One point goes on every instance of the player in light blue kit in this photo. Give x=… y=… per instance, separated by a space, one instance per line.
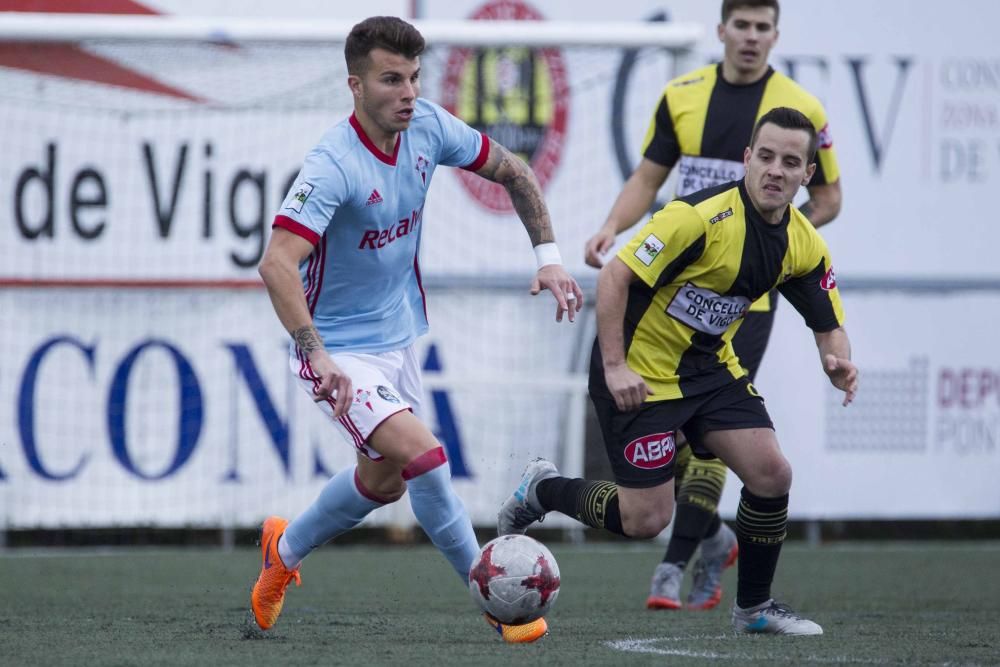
x=342 y=272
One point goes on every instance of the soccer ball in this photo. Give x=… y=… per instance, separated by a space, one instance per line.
x=515 y=579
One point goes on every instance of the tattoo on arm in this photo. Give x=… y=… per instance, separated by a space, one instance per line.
x=307 y=338
x=525 y=194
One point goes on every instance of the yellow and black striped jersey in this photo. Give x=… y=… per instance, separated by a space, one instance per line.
x=702 y=123
x=701 y=261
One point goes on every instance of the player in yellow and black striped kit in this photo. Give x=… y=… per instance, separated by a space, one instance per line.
x=699 y=129
x=668 y=306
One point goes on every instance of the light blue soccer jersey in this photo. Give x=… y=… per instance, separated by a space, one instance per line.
x=363 y=210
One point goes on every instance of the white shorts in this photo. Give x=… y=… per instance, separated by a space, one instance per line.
x=384 y=383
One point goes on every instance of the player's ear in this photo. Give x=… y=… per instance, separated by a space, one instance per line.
x=720 y=30
x=810 y=170
x=354 y=83
x=746 y=158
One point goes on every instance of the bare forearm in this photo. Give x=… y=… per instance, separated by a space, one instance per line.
x=526 y=196
x=612 y=297
x=834 y=342
x=823 y=205
x=516 y=177
x=633 y=202
x=835 y=360
x=284 y=287
x=637 y=196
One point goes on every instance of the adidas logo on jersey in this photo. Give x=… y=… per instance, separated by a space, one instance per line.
x=375 y=198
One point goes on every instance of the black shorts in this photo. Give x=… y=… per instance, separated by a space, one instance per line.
x=641 y=443
x=751 y=338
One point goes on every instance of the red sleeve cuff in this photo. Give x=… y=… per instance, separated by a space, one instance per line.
x=296 y=228
x=484 y=152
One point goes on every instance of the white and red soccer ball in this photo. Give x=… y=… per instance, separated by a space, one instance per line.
x=515 y=579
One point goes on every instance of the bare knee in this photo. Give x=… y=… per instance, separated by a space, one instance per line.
x=644 y=525
x=772 y=479
x=391 y=490
x=380 y=481
x=402 y=438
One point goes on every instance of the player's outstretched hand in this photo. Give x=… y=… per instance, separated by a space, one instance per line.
x=598 y=246
x=333 y=382
x=626 y=386
x=843 y=375
x=569 y=297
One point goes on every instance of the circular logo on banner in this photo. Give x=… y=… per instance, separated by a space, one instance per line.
x=515 y=95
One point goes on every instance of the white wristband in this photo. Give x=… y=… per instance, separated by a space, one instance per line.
x=547 y=253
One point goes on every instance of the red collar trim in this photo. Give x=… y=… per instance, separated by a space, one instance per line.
x=370 y=145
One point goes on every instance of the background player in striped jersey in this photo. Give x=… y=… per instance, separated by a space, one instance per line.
x=342 y=271
x=700 y=127
x=667 y=306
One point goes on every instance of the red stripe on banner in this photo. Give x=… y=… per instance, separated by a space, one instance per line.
x=425 y=462
x=484 y=152
x=370 y=145
x=71 y=62
x=296 y=228
x=420 y=284
x=367 y=493
x=77 y=7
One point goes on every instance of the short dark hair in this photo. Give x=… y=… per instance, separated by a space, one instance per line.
x=381 y=32
x=729 y=6
x=789 y=119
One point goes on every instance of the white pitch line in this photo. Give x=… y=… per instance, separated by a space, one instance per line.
x=650 y=646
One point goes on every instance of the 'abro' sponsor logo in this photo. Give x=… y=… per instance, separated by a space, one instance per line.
x=651 y=451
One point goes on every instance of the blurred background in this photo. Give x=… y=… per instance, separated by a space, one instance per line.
x=144 y=390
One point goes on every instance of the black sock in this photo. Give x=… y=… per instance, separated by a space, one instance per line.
x=689 y=526
x=713 y=527
x=698 y=493
x=592 y=503
x=760 y=529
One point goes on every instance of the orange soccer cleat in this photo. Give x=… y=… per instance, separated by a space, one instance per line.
x=269 y=590
x=519 y=634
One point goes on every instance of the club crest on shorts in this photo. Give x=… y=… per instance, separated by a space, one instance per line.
x=363 y=397
x=387 y=394
x=651 y=451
